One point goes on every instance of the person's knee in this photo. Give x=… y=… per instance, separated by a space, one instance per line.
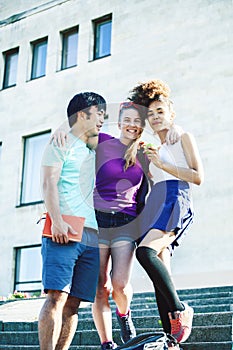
x=120 y=286
x=139 y=253
x=57 y=296
x=103 y=292
x=72 y=305
x=54 y=303
x=143 y=254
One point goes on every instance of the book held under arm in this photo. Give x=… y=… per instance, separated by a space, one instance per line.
x=76 y=222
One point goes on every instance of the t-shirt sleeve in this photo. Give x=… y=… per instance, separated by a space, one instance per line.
x=104 y=137
x=53 y=156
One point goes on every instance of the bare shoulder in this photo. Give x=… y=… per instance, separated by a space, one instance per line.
x=189 y=143
x=187 y=137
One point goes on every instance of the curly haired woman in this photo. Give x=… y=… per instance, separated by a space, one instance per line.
x=168 y=211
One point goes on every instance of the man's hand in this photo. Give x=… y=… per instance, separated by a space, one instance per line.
x=60 y=232
x=59 y=138
x=174 y=134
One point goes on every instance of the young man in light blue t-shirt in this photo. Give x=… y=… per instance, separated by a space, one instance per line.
x=70 y=269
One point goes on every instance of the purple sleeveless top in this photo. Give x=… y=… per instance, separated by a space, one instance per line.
x=116 y=189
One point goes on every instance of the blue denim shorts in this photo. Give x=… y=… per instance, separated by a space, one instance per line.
x=73 y=267
x=115 y=227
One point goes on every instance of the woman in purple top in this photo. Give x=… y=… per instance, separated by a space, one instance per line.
x=119 y=176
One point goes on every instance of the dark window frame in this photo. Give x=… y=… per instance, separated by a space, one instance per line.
x=17 y=252
x=64 y=35
x=96 y=24
x=34 y=46
x=6 y=55
x=21 y=203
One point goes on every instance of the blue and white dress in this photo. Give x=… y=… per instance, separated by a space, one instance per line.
x=169 y=205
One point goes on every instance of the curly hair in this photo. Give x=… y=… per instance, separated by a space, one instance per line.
x=144 y=93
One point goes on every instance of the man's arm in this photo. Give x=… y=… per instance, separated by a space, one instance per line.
x=59 y=137
x=174 y=134
x=60 y=228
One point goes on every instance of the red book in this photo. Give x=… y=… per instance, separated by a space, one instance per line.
x=77 y=223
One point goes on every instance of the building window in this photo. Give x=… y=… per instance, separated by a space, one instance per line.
x=0 y=149
x=34 y=146
x=28 y=267
x=10 y=71
x=39 y=55
x=102 y=36
x=69 y=48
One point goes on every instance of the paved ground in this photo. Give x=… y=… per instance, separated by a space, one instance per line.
x=22 y=310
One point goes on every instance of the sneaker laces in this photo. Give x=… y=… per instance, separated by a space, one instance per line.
x=127 y=322
x=176 y=324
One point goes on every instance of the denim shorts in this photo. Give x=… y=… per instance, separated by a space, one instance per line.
x=115 y=227
x=73 y=267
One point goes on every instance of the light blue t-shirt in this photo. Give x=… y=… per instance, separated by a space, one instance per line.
x=77 y=178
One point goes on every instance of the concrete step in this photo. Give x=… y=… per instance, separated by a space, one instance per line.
x=206 y=290
x=151 y=310
x=197 y=299
x=208 y=319
x=192 y=301
x=216 y=333
x=201 y=291
x=184 y=294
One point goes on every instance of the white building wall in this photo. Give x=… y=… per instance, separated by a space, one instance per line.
x=186 y=43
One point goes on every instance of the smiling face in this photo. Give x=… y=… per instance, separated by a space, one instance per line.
x=160 y=116
x=130 y=125
x=94 y=120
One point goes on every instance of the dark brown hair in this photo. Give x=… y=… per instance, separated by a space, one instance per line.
x=145 y=93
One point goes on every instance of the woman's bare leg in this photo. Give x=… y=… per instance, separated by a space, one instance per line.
x=101 y=309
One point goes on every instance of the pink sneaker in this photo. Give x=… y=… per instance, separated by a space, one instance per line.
x=181 y=323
